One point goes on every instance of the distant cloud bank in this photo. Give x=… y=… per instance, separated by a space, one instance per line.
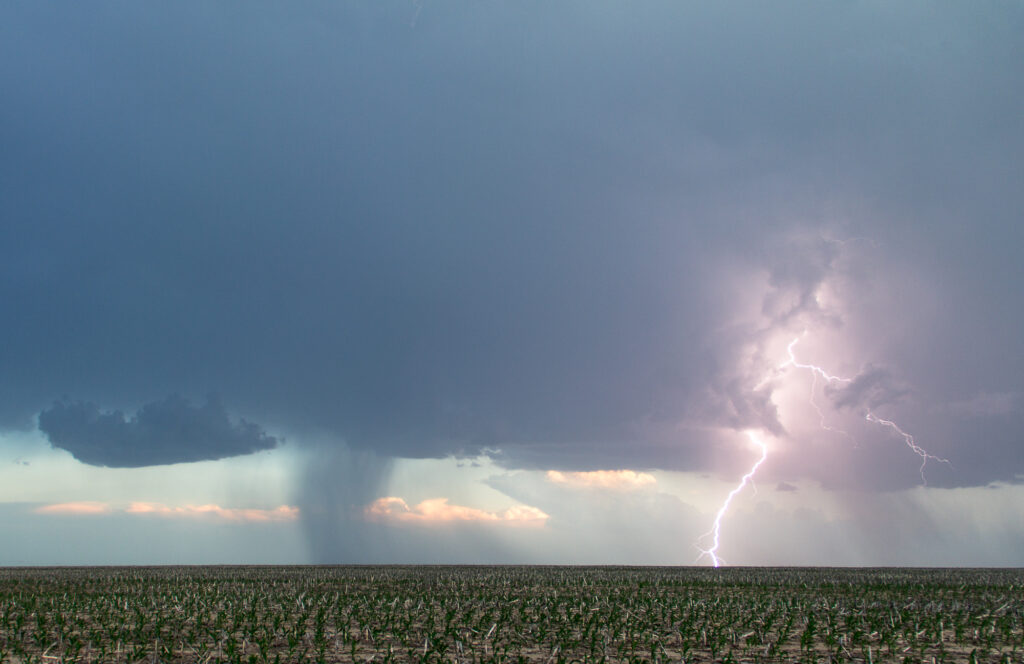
x=438 y=510
x=620 y=480
x=210 y=511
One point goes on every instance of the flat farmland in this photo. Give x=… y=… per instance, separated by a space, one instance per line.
x=509 y=614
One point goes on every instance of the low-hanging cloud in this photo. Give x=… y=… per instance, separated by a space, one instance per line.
x=161 y=432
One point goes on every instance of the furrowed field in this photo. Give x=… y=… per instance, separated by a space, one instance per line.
x=509 y=614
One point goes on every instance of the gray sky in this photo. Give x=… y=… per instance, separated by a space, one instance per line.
x=532 y=236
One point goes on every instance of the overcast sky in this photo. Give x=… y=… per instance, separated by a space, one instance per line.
x=423 y=281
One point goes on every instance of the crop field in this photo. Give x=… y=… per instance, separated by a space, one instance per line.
x=509 y=614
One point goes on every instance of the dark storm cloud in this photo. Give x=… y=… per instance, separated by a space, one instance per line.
x=521 y=226
x=162 y=432
x=871 y=388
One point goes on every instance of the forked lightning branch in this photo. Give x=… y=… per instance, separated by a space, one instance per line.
x=714 y=535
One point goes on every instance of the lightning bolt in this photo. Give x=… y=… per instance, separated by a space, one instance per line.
x=925 y=456
x=716 y=529
x=818 y=372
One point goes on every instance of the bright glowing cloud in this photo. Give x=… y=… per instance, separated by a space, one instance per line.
x=438 y=510
x=619 y=480
x=80 y=507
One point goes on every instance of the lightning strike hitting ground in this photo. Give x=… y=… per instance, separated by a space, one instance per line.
x=816 y=373
x=716 y=529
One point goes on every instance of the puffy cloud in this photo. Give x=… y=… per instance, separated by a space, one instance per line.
x=438 y=510
x=162 y=432
x=621 y=480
